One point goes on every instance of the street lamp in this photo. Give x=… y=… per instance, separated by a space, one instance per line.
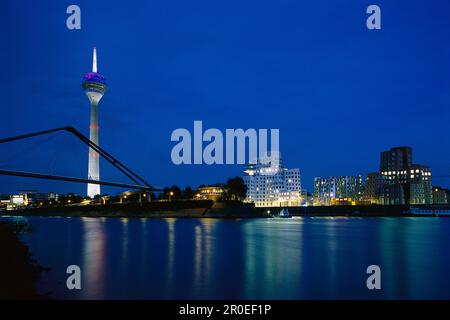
x=170 y=195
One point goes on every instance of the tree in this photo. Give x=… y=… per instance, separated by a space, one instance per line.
x=188 y=193
x=173 y=192
x=69 y=198
x=164 y=194
x=237 y=190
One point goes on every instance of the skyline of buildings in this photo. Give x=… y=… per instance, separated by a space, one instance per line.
x=26 y=197
x=271 y=184
x=399 y=182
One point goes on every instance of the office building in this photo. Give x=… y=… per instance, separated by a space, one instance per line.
x=215 y=193
x=373 y=187
x=441 y=195
x=270 y=184
x=403 y=181
x=333 y=190
x=396 y=159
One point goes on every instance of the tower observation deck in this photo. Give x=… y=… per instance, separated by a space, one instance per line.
x=94 y=85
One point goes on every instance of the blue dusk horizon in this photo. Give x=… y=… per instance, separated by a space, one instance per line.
x=339 y=93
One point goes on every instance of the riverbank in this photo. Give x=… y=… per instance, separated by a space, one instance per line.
x=19 y=273
x=219 y=209
x=156 y=209
x=364 y=210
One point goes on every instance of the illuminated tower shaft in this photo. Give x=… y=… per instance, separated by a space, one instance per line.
x=94 y=160
x=94 y=85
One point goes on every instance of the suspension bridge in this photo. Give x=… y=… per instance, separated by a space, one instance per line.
x=138 y=183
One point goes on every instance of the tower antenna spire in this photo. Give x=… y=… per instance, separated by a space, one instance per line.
x=94 y=61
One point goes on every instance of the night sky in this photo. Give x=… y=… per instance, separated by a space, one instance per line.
x=339 y=93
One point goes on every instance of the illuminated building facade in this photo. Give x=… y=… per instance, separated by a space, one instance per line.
x=214 y=193
x=441 y=195
x=373 y=187
x=334 y=190
x=403 y=181
x=270 y=184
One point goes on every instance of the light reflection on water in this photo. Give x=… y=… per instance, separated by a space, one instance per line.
x=301 y=258
x=94 y=248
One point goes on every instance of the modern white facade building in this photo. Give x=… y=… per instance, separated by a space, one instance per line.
x=270 y=184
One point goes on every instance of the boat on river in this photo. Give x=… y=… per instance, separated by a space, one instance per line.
x=284 y=213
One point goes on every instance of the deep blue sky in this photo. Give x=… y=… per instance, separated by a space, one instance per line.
x=338 y=92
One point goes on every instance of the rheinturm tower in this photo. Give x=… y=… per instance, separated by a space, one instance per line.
x=94 y=86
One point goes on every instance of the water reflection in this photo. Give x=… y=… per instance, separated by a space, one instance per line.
x=144 y=248
x=332 y=248
x=272 y=258
x=310 y=258
x=170 y=255
x=124 y=237
x=94 y=252
x=203 y=242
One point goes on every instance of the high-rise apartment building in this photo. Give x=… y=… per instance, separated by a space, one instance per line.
x=373 y=187
x=404 y=182
x=396 y=159
x=328 y=189
x=441 y=195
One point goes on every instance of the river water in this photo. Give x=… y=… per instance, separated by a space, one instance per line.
x=299 y=258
